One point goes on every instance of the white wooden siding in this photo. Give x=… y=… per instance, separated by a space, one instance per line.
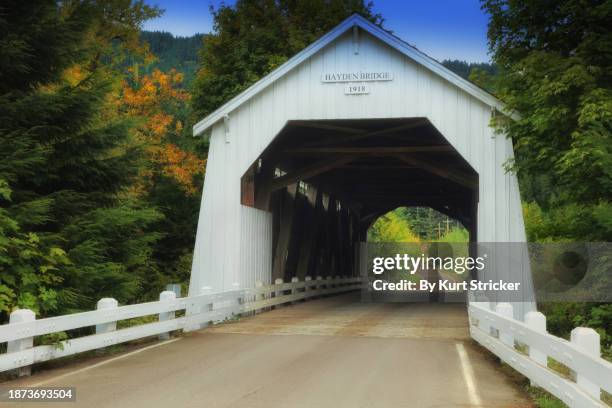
x=225 y=260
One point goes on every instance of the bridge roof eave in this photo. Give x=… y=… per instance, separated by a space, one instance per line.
x=384 y=36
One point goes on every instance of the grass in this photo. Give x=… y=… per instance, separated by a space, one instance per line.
x=540 y=397
x=543 y=399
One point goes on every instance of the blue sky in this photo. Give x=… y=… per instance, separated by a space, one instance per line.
x=443 y=29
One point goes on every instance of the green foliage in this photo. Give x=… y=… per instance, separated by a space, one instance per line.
x=391 y=227
x=53 y=339
x=555 y=63
x=563 y=317
x=543 y=399
x=180 y=53
x=29 y=275
x=455 y=235
x=68 y=234
x=481 y=73
x=253 y=37
x=428 y=224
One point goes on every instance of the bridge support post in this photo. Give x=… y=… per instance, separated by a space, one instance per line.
x=506 y=310
x=21 y=316
x=588 y=340
x=278 y=293
x=166 y=296
x=537 y=321
x=258 y=297
x=307 y=288
x=294 y=289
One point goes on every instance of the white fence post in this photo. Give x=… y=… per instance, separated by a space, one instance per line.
x=328 y=283
x=483 y=324
x=505 y=309
x=588 y=340
x=260 y=296
x=537 y=321
x=319 y=286
x=166 y=296
x=294 y=290
x=307 y=288
x=106 y=304
x=278 y=292
x=21 y=316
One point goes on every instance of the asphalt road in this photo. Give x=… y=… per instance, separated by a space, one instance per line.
x=333 y=352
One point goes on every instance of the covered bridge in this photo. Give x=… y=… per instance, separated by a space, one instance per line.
x=357 y=124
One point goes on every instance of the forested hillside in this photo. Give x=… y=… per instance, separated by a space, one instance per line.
x=180 y=53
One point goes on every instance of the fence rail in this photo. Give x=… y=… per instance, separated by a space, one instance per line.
x=199 y=310
x=526 y=347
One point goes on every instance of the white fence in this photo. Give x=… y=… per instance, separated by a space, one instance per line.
x=527 y=347
x=199 y=310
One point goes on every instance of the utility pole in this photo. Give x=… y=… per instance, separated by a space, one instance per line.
x=447 y=221
x=439 y=229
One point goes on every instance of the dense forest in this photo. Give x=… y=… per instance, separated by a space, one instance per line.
x=100 y=179
x=181 y=53
x=170 y=52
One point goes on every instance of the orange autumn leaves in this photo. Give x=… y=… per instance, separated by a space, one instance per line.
x=156 y=100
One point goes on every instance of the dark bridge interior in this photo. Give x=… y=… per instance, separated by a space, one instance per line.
x=327 y=181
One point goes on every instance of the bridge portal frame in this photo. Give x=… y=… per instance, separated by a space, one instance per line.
x=235 y=242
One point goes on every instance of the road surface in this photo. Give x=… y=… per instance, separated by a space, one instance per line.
x=333 y=352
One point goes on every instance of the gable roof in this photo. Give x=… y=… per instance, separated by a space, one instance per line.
x=358 y=21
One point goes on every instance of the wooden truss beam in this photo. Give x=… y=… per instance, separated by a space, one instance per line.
x=358 y=134
x=325 y=126
x=436 y=168
x=311 y=170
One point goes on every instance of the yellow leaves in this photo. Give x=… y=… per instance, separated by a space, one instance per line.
x=152 y=91
x=159 y=123
x=152 y=100
x=181 y=166
x=75 y=74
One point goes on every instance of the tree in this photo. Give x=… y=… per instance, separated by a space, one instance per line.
x=253 y=37
x=555 y=59
x=391 y=227
x=180 y=53
x=69 y=233
x=171 y=178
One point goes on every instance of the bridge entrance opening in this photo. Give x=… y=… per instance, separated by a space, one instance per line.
x=326 y=181
x=415 y=254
